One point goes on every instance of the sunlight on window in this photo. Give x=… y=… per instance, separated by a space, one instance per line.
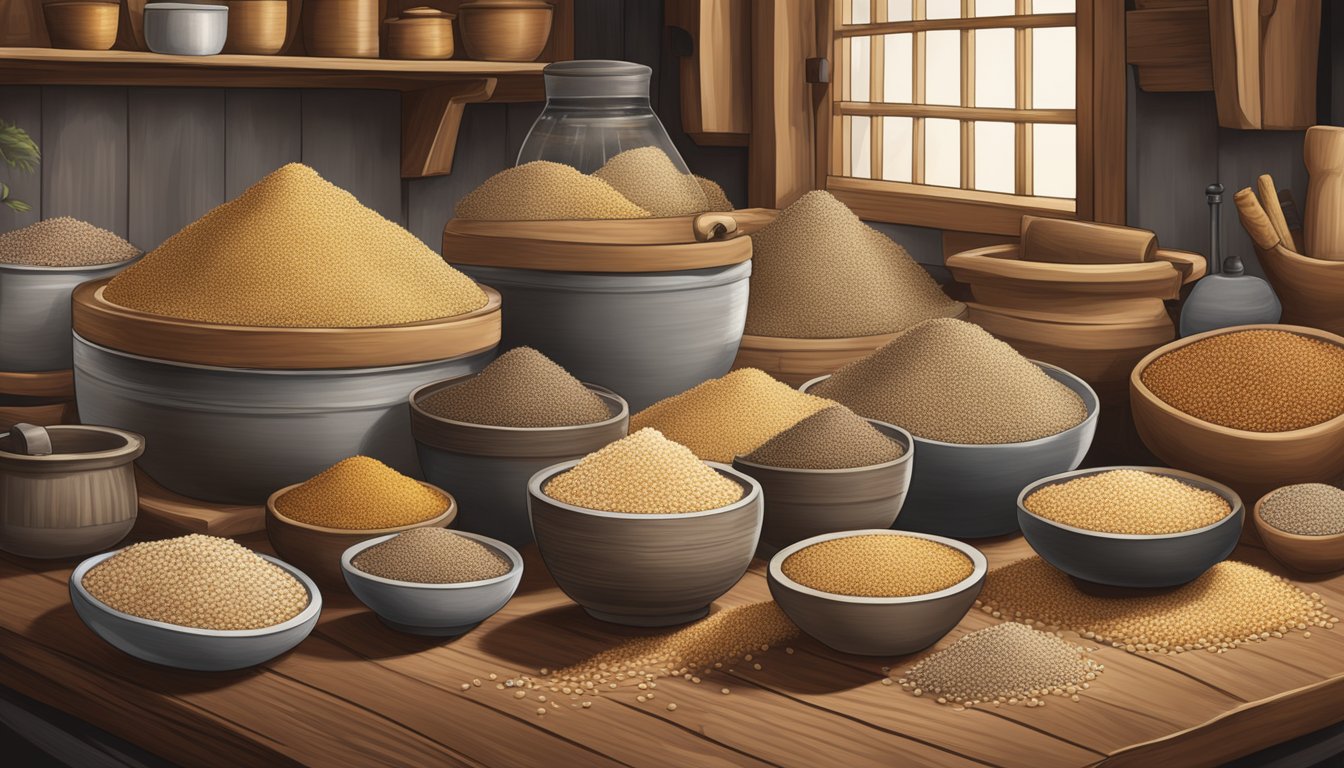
x=899 y=10
x=897 y=148
x=995 y=78
x=1053 y=61
x=942 y=9
x=896 y=69
x=860 y=66
x=995 y=156
x=943 y=67
x=1055 y=160
x=1050 y=6
x=942 y=152
x=861 y=147
x=859 y=12
x=995 y=7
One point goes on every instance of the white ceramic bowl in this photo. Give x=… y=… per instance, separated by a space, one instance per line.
x=186 y=29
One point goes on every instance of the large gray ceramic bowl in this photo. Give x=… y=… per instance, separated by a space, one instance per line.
x=488 y=467
x=234 y=435
x=207 y=650
x=876 y=626
x=1133 y=560
x=439 y=610
x=802 y=503
x=35 y=313
x=969 y=491
x=645 y=570
x=647 y=335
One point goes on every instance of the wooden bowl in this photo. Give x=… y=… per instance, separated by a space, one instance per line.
x=205 y=650
x=85 y=26
x=505 y=30
x=1133 y=560
x=420 y=33
x=802 y=503
x=317 y=550
x=436 y=610
x=257 y=27
x=1310 y=290
x=1252 y=463
x=998 y=277
x=876 y=626
x=645 y=570
x=1309 y=554
x=488 y=466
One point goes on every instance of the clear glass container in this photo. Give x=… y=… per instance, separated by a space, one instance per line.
x=594 y=111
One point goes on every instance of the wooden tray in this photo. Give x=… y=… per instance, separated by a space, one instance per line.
x=183 y=515
x=237 y=346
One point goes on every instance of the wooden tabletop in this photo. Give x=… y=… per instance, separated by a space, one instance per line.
x=357 y=694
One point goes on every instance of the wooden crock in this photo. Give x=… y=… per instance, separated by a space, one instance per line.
x=87 y=26
x=257 y=27
x=420 y=33
x=341 y=28
x=505 y=30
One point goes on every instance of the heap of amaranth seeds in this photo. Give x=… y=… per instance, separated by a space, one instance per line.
x=1309 y=509
x=1128 y=501
x=64 y=242
x=832 y=438
x=432 y=556
x=545 y=191
x=361 y=493
x=521 y=388
x=878 y=565
x=647 y=177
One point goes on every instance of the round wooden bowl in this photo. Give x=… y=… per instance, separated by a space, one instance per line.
x=420 y=33
x=342 y=28
x=1309 y=289
x=86 y=26
x=487 y=466
x=802 y=503
x=505 y=30
x=1133 y=561
x=238 y=346
x=998 y=277
x=876 y=626
x=1309 y=554
x=645 y=570
x=257 y=27
x=1252 y=463
x=317 y=550
x=435 y=610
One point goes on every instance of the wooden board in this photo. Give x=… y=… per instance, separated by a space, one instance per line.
x=177 y=514
x=356 y=693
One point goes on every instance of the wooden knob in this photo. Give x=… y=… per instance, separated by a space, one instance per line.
x=27 y=440
x=714 y=226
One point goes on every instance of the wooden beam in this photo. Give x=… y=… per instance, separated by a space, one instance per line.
x=943 y=207
x=1105 y=121
x=780 y=164
x=983 y=22
x=430 y=120
x=999 y=114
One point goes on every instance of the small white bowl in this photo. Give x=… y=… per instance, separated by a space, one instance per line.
x=206 y=650
x=186 y=29
x=437 y=610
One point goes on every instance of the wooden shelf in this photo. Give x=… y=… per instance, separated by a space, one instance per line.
x=434 y=93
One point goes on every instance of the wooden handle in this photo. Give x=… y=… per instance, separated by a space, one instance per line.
x=714 y=226
x=1323 y=219
x=27 y=440
x=1061 y=241
x=1254 y=220
x=1269 y=200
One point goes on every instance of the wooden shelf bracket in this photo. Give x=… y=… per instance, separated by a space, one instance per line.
x=430 y=119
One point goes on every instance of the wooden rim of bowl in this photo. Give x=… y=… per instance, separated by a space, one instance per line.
x=446 y=517
x=1138 y=388
x=1263 y=525
x=1158 y=279
x=131 y=448
x=514 y=557
x=482 y=5
x=979 y=567
x=750 y=498
x=49 y=384
x=237 y=346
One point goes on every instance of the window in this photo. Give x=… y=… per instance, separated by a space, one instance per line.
x=965 y=114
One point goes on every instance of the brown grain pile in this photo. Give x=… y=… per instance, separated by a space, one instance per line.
x=432 y=556
x=1232 y=604
x=647 y=177
x=544 y=191
x=729 y=416
x=817 y=271
x=832 y=438
x=951 y=381
x=64 y=242
x=1256 y=380
x=197 y=581
x=360 y=493
x=1128 y=501
x=644 y=473
x=1007 y=663
x=521 y=388
x=878 y=565
x=715 y=198
x=1308 y=509
x=295 y=251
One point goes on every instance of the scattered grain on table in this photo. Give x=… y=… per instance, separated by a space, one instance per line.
x=950 y=380
x=433 y=556
x=197 y=581
x=1257 y=380
x=361 y=493
x=729 y=416
x=650 y=179
x=817 y=271
x=545 y=191
x=644 y=473
x=1128 y=501
x=521 y=388
x=832 y=438
x=878 y=565
x=295 y=251
x=1008 y=663
x=715 y=198
x=1232 y=604
x=64 y=242
x=1308 y=509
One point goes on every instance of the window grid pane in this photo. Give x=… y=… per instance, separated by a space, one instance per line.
x=860 y=144
x=897 y=62
x=942 y=152
x=860 y=67
x=943 y=67
x=897 y=148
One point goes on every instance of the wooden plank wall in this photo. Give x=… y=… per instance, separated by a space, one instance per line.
x=143 y=162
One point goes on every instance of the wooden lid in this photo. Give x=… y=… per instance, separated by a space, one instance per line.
x=237 y=346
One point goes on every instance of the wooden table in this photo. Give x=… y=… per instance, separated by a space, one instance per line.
x=358 y=694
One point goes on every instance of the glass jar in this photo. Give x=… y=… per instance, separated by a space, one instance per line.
x=594 y=111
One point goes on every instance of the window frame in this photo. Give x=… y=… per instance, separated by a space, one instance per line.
x=1100 y=120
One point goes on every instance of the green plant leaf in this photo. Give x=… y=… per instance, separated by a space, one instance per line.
x=17 y=148
x=18 y=206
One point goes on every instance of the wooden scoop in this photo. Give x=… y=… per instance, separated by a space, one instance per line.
x=1255 y=220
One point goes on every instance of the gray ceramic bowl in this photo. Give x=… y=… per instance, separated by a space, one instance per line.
x=1132 y=560
x=488 y=467
x=968 y=491
x=645 y=570
x=206 y=650
x=438 y=610
x=802 y=503
x=876 y=626
x=186 y=29
x=35 y=313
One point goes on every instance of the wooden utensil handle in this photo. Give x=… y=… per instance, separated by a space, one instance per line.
x=714 y=226
x=1254 y=220
x=27 y=440
x=1269 y=200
